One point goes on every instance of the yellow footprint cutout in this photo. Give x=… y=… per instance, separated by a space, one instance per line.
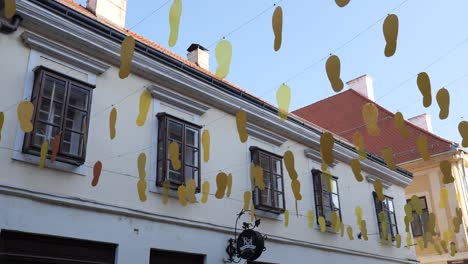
x=370 y=114
x=126 y=55
x=342 y=229
x=277 y=23
x=444 y=195
x=327 y=178
x=421 y=143
x=326 y=148
x=398 y=241
x=206 y=142
x=2 y=120
x=453 y=249
x=335 y=221
x=416 y=204
x=390 y=30
x=290 y=167
x=174 y=21
x=333 y=69
x=378 y=188
x=10 y=8
x=356 y=167
x=389 y=241
x=349 y=230
x=322 y=224
x=145 y=103
x=446 y=169
x=241 y=122
x=191 y=190
x=252 y=213
x=174 y=155
x=400 y=124
x=256 y=176
x=431 y=224
x=311 y=218
x=44 y=150
x=409 y=241
x=205 y=192
x=97 y=169
x=443 y=244
x=141 y=185
x=229 y=185
x=463 y=129
x=443 y=100
x=363 y=229
x=223 y=52
x=358 y=142
x=112 y=122
x=358 y=212
x=55 y=147
x=387 y=154
x=448 y=234
x=25 y=113
x=424 y=84
x=342 y=3
x=437 y=248
x=283 y=97
x=221 y=184
x=166 y=190
x=182 y=193
x=286 y=218
x=247 y=200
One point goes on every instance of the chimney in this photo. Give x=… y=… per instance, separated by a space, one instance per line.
x=113 y=11
x=363 y=85
x=199 y=55
x=423 y=121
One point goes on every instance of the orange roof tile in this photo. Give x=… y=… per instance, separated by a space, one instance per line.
x=342 y=114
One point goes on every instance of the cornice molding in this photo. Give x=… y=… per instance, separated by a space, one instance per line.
x=63 y=53
x=183 y=102
x=315 y=155
x=265 y=135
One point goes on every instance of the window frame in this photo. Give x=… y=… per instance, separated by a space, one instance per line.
x=163 y=120
x=319 y=207
x=391 y=224
x=420 y=221
x=255 y=153
x=37 y=96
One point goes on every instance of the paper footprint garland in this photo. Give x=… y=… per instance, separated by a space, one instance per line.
x=25 y=113
x=283 y=97
x=424 y=85
x=174 y=21
x=443 y=100
x=145 y=103
x=333 y=68
x=141 y=186
x=223 y=52
x=126 y=56
x=390 y=30
x=277 y=23
x=241 y=123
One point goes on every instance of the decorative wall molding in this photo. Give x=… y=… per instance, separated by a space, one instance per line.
x=315 y=155
x=178 y=100
x=372 y=179
x=63 y=53
x=265 y=135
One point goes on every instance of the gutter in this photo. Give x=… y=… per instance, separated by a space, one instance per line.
x=112 y=34
x=10 y=27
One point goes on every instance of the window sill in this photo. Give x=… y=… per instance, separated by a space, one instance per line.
x=172 y=193
x=269 y=215
x=61 y=166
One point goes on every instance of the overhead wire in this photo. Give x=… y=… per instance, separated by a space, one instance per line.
x=149 y=15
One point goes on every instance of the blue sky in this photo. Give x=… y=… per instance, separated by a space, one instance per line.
x=431 y=39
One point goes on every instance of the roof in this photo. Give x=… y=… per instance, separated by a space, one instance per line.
x=82 y=10
x=342 y=115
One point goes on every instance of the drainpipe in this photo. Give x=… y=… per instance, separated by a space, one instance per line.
x=10 y=27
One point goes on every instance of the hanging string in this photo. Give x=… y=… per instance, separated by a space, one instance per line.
x=149 y=15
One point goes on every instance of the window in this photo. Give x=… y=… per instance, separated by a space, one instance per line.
x=62 y=106
x=270 y=199
x=172 y=257
x=325 y=201
x=187 y=136
x=18 y=247
x=388 y=208
x=418 y=225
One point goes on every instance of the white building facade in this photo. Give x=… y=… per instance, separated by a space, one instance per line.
x=65 y=61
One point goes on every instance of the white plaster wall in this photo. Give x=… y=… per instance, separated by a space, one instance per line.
x=117 y=185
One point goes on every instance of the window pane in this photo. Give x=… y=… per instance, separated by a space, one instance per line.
x=422 y=202
x=265 y=162
x=168 y=154
x=279 y=199
x=326 y=199
x=335 y=201
x=191 y=137
x=78 y=97
x=50 y=112
x=75 y=120
x=54 y=89
x=390 y=205
x=72 y=143
x=276 y=166
x=266 y=197
x=44 y=132
x=175 y=131
x=190 y=173
x=326 y=212
x=191 y=156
